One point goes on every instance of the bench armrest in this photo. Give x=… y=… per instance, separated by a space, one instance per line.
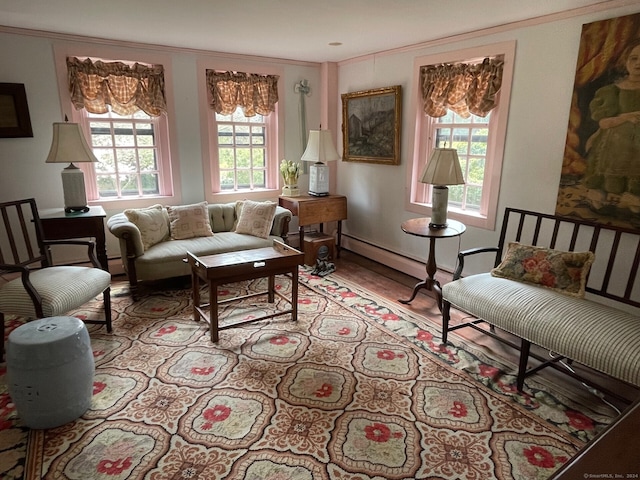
x=471 y=251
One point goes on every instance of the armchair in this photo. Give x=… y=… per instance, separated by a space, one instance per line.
x=34 y=288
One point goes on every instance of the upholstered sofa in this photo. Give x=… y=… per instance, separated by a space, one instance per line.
x=154 y=240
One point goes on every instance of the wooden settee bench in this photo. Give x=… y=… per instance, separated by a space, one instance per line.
x=600 y=330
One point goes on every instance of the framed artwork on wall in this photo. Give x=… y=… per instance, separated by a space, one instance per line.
x=14 y=111
x=600 y=178
x=371 y=125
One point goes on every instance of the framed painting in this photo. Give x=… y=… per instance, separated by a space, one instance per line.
x=14 y=111
x=371 y=125
x=600 y=178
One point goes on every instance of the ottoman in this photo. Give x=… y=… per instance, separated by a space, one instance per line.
x=50 y=371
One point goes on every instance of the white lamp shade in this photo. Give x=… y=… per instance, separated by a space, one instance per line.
x=443 y=168
x=320 y=147
x=69 y=145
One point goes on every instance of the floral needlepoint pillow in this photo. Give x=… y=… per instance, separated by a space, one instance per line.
x=564 y=272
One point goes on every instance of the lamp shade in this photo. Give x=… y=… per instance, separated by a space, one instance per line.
x=320 y=147
x=443 y=168
x=69 y=145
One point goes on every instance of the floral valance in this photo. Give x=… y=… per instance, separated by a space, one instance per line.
x=254 y=93
x=464 y=88
x=126 y=88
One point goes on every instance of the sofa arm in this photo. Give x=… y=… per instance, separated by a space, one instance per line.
x=472 y=251
x=127 y=232
x=281 y=221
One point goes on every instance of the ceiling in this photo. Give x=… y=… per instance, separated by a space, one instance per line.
x=287 y=29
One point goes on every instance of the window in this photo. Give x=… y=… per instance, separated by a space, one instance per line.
x=128 y=150
x=241 y=124
x=478 y=140
x=242 y=151
x=133 y=147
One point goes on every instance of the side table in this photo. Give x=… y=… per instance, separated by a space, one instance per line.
x=420 y=228
x=58 y=225
x=312 y=210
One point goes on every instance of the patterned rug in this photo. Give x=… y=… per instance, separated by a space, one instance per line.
x=357 y=388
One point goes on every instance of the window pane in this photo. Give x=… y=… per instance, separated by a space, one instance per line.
x=259 y=159
x=123 y=134
x=242 y=135
x=107 y=185
x=144 y=133
x=476 y=171
x=243 y=158
x=479 y=141
x=227 y=180
x=244 y=178
x=128 y=185
x=259 y=178
x=226 y=156
x=127 y=160
x=150 y=184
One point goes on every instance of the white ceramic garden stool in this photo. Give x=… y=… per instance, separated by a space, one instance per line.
x=50 y=371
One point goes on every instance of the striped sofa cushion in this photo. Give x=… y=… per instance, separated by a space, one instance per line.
x=599 y=336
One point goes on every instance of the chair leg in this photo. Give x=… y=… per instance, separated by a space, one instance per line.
x=107 y=308
x=522 y=364
x=1 y=337
x=446 y=315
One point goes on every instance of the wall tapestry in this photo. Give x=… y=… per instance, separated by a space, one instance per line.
x=601 y=165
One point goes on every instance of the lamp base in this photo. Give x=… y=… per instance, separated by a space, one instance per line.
x=84 y=209
x=439 y=203
x=75 y=195
x=319 y=180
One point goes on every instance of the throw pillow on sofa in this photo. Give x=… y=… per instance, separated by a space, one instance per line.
x=255 y=218
x=564 y=272
x=189 y=221
x=152 y=223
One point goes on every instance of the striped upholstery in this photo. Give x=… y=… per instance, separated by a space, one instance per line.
x=596 y=335
x=81 y=284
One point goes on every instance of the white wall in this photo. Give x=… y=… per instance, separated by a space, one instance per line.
x=30 y=60
x=544 y=71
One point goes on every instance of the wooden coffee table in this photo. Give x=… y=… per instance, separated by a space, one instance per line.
x=233 y=267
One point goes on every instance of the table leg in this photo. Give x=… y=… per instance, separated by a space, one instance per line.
x=271 y=296
x=213 y=311
x=294 y=294
x=301 y=247
x=430 y=283
x=339 y=246
x=195 y=282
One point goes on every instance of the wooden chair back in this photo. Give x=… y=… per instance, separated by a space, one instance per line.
x=21 y=240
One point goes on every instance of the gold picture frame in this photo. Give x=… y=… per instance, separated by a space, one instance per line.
x=14 y=111
x=371 y=121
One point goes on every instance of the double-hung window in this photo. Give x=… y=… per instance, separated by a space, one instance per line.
x=122 y=110
x=129 y=150
x=444 y=120
x=242 y=127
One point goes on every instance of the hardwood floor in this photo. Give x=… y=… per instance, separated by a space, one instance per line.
x=394 y=285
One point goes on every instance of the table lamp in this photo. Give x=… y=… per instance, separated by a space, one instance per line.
x=442 y=169
x=319 y=149
x=69 y=146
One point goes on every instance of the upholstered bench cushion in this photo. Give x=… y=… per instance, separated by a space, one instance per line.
x=596 y=335
x=165 y=259
x=79 y=289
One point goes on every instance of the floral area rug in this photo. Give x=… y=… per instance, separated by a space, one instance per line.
x=357 y=388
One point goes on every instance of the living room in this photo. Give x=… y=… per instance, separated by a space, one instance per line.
x=538 y=113
x=542 y=76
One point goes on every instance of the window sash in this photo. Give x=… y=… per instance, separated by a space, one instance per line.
x=115 y=148
x=250 y=139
